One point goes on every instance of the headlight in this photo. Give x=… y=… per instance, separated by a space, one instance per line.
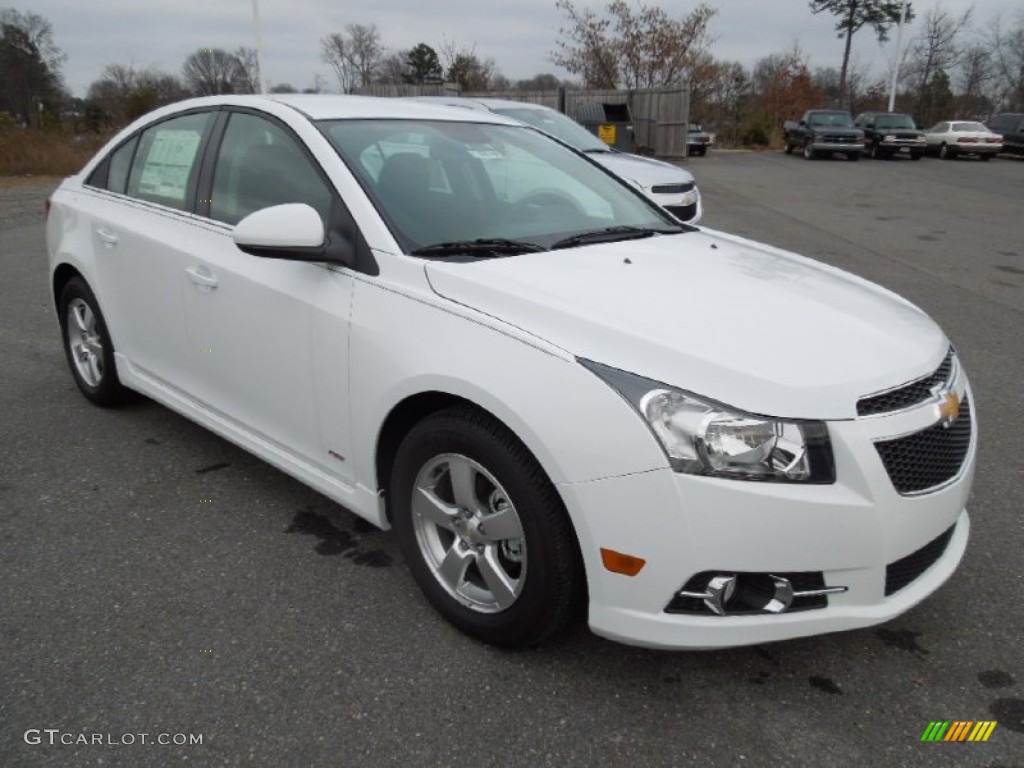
x=889 y=137
x=704 y=437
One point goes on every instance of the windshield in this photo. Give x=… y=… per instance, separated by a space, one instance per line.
x=439 y=182
x=558 y=125
x=832 y=119
x=969 y=127
x=894 y=121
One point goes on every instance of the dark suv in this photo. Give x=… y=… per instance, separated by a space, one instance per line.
x=1010 y=125
x=890 y=133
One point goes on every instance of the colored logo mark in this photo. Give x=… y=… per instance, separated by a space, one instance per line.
x=958 y=730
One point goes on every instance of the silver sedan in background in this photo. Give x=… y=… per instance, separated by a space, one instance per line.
x=951 y=138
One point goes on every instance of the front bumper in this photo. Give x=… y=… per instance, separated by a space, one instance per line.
x=683 y=525
x=837 y=146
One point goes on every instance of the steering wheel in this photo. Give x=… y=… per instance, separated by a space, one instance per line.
x=546 y=202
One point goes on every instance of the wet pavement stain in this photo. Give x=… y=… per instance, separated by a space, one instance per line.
x=374 y=558
x=760 y=678
x=361 y=525
x=927 y=238
x=1009 y=713
x=995 y=678
x=1010 y=268
x=826 y=684
x=151 y=441
x=335 y=540
x=903 y=639
x=212 y=468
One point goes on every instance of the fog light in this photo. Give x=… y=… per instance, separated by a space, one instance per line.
x=737 y=594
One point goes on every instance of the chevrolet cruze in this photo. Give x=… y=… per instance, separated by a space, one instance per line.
x=560 y=397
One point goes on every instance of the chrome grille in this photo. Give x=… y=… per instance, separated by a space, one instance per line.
x=929 y=458
x=910 y=394
x=671 y=189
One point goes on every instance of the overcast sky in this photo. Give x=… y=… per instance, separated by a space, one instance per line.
x=517 y=34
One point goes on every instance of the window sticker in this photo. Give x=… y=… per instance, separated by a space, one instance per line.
x=169 y=163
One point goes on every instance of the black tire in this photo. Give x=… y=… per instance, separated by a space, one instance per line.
x=986 y=158
x=789 y=148
x=853 y=156
x=809 y=153
x=916 y=156
x=107 y=391
x=553 y=588
x=875 y=154
x=947 y=153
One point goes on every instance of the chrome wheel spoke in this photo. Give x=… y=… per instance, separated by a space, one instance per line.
x=82 y=316
x=503 y=524
x=95 y=370
x=463 y=477
x=498 y=582
x=452 y=569
x=428 y=506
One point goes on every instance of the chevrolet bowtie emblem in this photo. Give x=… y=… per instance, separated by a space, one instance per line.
x=949 y=408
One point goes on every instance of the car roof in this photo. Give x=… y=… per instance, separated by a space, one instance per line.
x=470 y=102
x=320 y=106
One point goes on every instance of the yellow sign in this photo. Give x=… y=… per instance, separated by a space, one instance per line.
x=606 y=133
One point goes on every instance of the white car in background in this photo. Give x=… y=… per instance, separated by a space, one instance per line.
x=562 y=398
x=670 y=186
x=952 y=138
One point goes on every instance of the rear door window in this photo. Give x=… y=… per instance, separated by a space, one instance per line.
x=167 y=160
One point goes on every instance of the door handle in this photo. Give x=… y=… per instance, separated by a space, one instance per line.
x=202 y=277
x=107 y=237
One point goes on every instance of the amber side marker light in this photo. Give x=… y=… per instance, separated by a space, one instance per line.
x=619 y=562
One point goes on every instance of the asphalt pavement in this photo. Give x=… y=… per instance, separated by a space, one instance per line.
x=155 y=579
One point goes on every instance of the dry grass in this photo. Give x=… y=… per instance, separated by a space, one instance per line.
x=45 y=153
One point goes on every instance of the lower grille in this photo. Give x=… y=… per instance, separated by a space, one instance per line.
x=929 y=458
x=682 y=212
x=905 y=570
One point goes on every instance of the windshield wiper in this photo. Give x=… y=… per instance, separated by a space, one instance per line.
x=598 y=151
x=494 y=246
x=612 y=234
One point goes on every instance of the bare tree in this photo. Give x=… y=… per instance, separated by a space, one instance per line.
x=975 y=79
x=1006 y=41
x=936 y=48
x=355 y=55
x=123 y=93
x=462 y=65
x=247 y=74
x=211 y=71
x=637 y=45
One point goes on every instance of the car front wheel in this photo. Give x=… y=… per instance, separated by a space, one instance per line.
x=946 y=152
x=483 y=530
x=809 y=153
x=87 y=345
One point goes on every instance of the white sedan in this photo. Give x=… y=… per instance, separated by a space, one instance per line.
x=559 y=396
x=671 y=187
x=952 y=138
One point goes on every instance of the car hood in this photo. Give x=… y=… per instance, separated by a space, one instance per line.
x=757 y=328
x=643 y=170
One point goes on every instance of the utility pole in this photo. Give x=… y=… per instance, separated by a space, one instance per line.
x=896 y=61
x=259 y=45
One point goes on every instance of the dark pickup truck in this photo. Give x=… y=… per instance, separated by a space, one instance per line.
x=822 y=132
x=889 y=133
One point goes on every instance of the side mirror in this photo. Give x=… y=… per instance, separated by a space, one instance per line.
x=293 y=231
x=803 y=123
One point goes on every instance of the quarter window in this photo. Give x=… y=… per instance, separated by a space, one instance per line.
x=167 y=160
x=260 y=165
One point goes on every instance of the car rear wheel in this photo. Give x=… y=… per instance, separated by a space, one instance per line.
x=483 y=530
x=946 y=152
x=875 y=154
x=87 y=345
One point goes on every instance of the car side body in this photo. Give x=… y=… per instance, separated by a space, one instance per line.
x=1009 y=125
x=183 y=265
